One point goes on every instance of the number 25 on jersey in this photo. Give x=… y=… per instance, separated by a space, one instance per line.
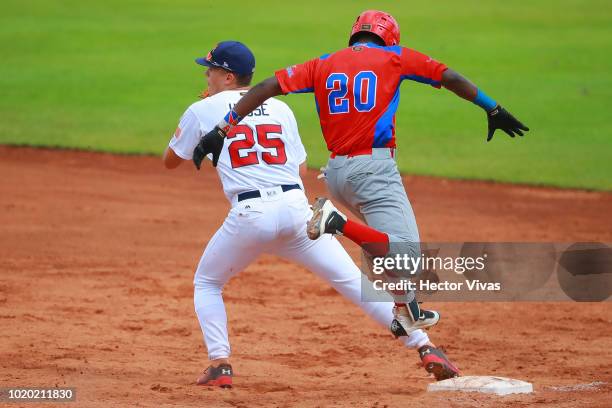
x=363 y=98
x=241 y=150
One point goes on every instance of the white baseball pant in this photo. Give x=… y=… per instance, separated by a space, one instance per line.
x=275 y=225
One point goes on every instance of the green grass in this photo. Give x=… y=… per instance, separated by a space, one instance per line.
x=117 y=75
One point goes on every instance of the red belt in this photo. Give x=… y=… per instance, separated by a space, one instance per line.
x=362 y=152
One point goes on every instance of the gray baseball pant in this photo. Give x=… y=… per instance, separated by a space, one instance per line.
x=371 y=187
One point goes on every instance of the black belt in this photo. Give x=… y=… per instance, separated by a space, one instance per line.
x=256 y=194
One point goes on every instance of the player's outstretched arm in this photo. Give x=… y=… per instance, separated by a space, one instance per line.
x=257 y=95
x=457 y=83
x=212 y=142
x=498 y=117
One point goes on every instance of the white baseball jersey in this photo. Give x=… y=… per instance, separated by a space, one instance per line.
x=263 y=150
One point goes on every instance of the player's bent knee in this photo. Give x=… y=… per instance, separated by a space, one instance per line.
x=205 y=284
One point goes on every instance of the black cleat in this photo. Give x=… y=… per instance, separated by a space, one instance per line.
x=326 y=219
x=404 y=321
x=435 y=362
x=217 y=376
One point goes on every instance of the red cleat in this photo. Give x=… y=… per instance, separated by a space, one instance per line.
x=435 y=362
x=217 y=376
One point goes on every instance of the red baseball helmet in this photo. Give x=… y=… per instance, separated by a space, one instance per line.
x=377 y=22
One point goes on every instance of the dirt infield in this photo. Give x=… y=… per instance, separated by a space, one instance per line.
x=97 y=257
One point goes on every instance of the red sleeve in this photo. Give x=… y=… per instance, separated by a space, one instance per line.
x=297 y=78
x=421 y=68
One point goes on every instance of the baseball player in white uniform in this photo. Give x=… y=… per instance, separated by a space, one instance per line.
x=259 y=167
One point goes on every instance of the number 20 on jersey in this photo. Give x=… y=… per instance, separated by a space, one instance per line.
x=363 y=97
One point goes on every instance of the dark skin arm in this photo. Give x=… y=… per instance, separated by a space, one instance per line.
x=498 y=117
x=257 y=95
x=459 y=85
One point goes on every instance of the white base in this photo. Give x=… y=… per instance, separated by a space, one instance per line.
x=486 y=384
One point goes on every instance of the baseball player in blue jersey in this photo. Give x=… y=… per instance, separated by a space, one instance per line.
x=357 y=93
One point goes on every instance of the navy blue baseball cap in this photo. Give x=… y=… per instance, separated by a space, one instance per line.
x=233 y=56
